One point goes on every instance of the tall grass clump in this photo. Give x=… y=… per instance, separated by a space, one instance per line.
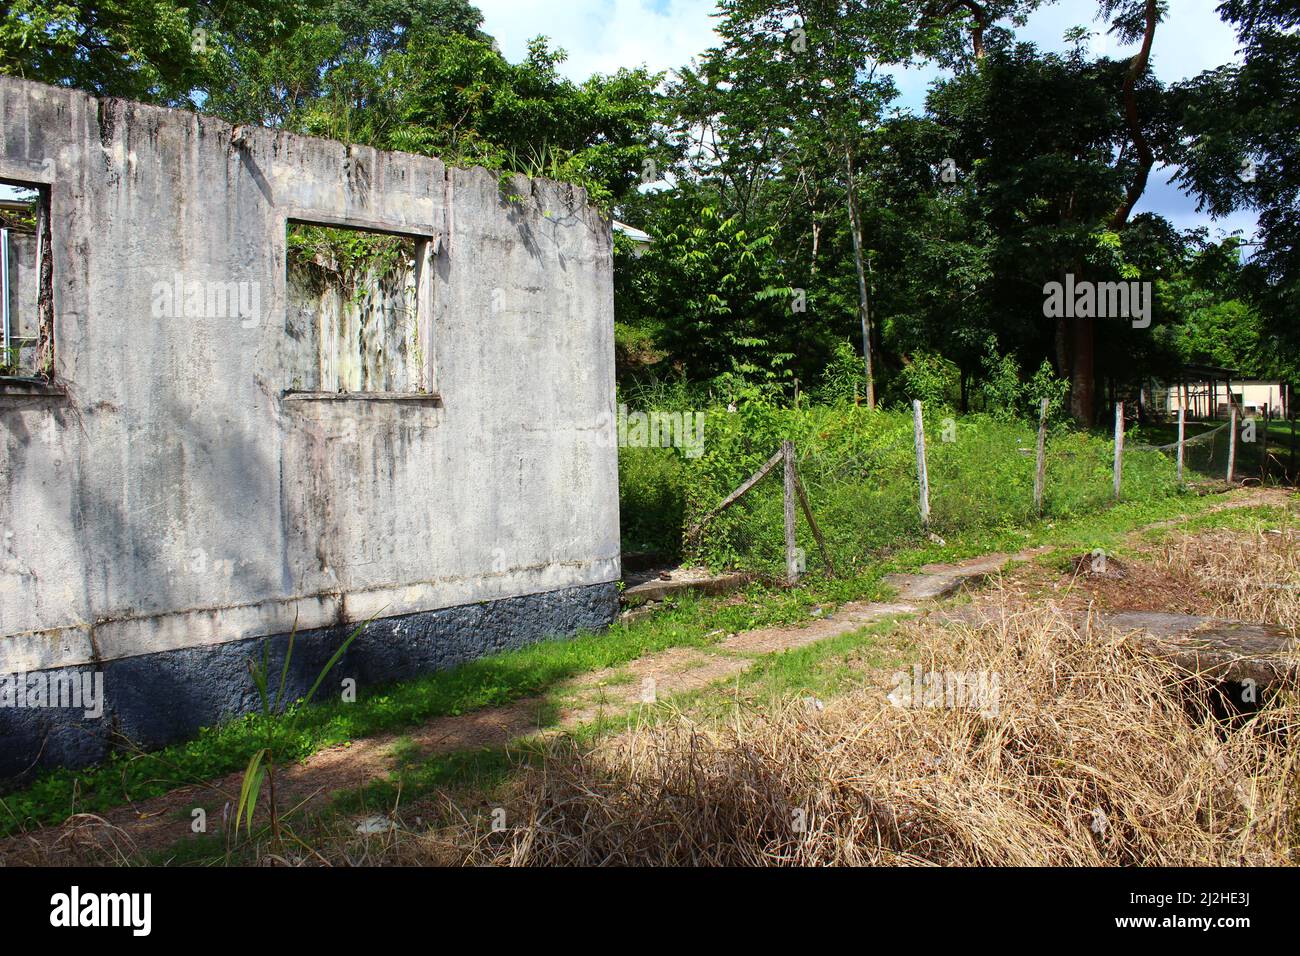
x=652 y=480
x=1242 y=577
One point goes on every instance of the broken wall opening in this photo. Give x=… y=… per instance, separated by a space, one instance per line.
x=26 y=281
x=357 y=309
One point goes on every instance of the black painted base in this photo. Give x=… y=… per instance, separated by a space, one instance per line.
x=157 y=699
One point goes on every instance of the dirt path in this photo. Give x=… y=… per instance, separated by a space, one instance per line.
x=163 y=822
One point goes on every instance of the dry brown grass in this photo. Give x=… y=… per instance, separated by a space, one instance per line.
x=1246 y=576
x=1097 y=755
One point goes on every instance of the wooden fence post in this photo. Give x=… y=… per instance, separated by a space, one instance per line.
x=791 y=551
x=794 y=490
x=1182 y=435
x=1232 y=439
x=1040 y=470
x=1119 y=445
x=923 y=479
x=812 y=522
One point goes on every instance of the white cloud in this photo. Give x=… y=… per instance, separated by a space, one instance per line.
x=603 y=35
x=1191 y=39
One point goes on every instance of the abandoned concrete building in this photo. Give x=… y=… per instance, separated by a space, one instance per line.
x=222 y=424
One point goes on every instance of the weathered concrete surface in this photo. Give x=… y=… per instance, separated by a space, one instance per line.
x=1220 y=650
x=937 y=581
x=174 y=497
x=155 y=699
x=646 y=586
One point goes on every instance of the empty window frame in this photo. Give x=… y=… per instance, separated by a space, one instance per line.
x=358 y=310
x=26 y=282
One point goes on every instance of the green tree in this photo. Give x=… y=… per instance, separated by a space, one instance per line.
x=1242 y=152
x=714 y=293
x=249 y=62
x=142 y=49
x=456 y=97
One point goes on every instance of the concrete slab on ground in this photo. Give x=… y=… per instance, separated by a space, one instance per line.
x=1215 y=648
x=937 y=581
x=661 y=583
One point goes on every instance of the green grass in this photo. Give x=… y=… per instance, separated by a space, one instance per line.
x=822 y=670
x=1282 y=435
x=487 y=682
x=480 y=769
x=532 y=671
x=860 y=471
x=1257 y=518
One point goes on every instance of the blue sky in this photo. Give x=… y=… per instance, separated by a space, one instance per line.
x=602 y=35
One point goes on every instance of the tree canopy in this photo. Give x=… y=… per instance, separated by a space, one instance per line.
x=796 y=211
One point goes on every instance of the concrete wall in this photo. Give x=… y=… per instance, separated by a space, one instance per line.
x=173 y=494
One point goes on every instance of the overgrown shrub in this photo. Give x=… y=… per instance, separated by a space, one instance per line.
x=859 y=468
x=931 y=378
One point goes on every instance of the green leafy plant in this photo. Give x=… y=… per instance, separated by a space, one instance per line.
x=262 y=764
x=931 y=378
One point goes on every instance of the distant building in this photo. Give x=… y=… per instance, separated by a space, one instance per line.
x=641 y=239
x=1210 y=392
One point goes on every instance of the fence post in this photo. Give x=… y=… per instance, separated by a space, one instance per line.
x=1263 y=458
x=791 y=551
x=1291 y=410
x=1040 y=470
x=923 y=479
x=1232 y=439
x=812 y=522
x=1182 y=434
x=1119 y=444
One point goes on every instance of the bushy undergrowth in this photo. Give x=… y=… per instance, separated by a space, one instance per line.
x=859 y=467
x=651 y=499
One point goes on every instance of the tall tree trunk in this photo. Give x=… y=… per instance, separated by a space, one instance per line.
x=1081 y=372
x=979 y=19
x=980 y=15
x=1081 y=379
x=1146 y=158
x=1062 y=343
x=864 y=306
